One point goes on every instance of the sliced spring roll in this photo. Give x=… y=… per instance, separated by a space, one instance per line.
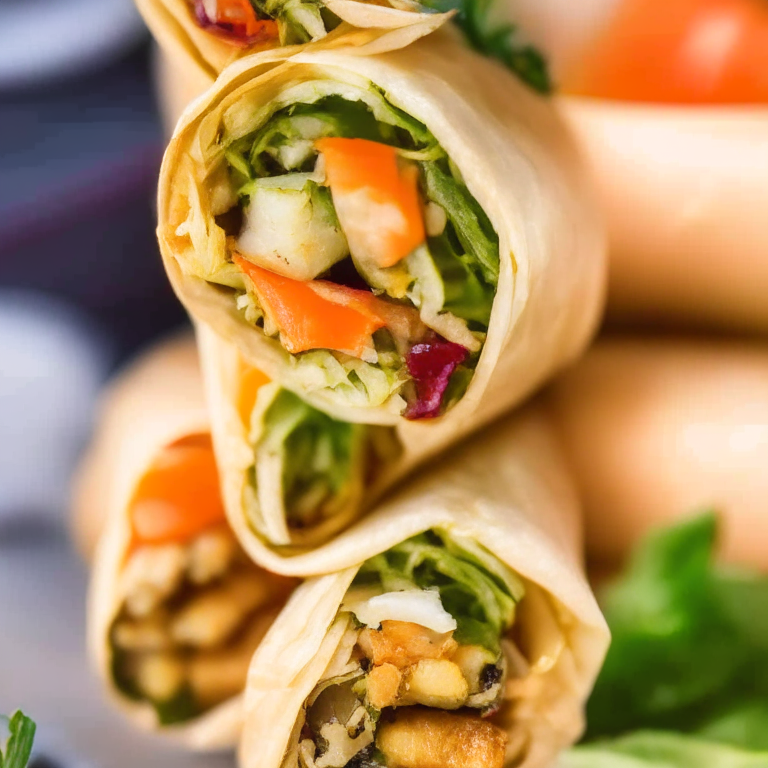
x=292 y=476
x=207 y=35
x=659 y=428
x=176 y=608
x=406 y=235
x=457 y=631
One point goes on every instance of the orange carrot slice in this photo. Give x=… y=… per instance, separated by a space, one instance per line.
x=332 y=317
x=680 y=52
x=178 y=498
x=376 y=199
x=251 y=381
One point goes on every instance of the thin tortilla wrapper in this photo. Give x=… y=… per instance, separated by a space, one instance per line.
x=508 y=489
x=656 y=429
x=176 y=30
x=222 y=371
x=163 y=391
x=517 y=161
x=154 y=404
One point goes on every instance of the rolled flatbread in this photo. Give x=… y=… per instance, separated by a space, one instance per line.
x=656 y=429
x=415 y=241
x=205 y=36
x=456 y=627
x=175 y=607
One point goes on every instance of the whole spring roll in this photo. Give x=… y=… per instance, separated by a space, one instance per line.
x=658 y=429
x=676 y=137
x=400 y=236
x=205 y=36
x=457 y=631
x=176 y=608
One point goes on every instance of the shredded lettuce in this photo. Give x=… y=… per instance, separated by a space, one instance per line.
x=475 y=587
x=658 y=749
x=321 y=460
x=17 y=733
x=690 y=643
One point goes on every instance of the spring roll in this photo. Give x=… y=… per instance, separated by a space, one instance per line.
x=204 y=36
x=457 y=629
x=658 y=429
x=676 y=134
x=402 y=236
x=176 y=608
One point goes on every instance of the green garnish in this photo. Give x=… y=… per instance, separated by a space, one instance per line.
x=690 y=644
x=17 y=733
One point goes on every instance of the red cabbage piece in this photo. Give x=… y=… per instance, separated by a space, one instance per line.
x=431 y=366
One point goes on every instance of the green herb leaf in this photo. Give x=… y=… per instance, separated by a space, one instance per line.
x=17 y=745
x=498 y=41
x=657 y=749
x=690 y=642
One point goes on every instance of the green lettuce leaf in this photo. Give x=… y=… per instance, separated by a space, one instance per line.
x=321 y=456
x=475 y=587
x=498 y=41
x=690 y=642
x=656 y=749
x=17 y=733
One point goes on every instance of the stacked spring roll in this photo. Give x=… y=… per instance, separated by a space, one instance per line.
x=176 y=608
x=456 y=628
x=398 y=237
x=204 y=36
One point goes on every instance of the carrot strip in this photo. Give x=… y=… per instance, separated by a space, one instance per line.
x=332 y=317
x=376 y=198
x=178 y=498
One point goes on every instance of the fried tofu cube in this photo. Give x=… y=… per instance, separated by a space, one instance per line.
x=435 y=683
x=404 y=643
x=383 y=685
x=429 y=738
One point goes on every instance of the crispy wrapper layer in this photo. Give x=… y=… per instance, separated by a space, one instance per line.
x=508 y=490
x=173 y=24
x=517 y=161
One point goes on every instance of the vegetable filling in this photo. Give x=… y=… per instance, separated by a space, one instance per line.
x=350 y=237
x=310 y=470
x=421 y=669
x=193 y=607
x=244 y=23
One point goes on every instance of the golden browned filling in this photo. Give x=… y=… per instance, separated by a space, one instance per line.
x=425 y=666
x=191 y=616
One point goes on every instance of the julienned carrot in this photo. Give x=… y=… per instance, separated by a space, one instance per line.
x=678 y=52
x=178 y=498
x=331 y=317
x=376 y=198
